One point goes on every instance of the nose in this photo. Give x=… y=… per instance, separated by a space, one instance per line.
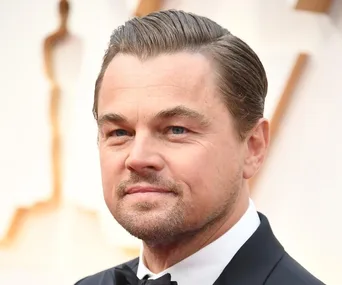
x=144 y=155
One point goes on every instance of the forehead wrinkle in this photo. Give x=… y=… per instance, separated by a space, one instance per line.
x=187 y=72
x=192 y=80
x=124 y=88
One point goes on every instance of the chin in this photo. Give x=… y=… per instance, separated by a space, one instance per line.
x=155 y=227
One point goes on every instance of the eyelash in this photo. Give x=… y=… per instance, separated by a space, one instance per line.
x=180 y=127
x=111 y=133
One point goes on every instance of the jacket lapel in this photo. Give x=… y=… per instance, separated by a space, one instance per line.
x=255 y=259
x=133 y=264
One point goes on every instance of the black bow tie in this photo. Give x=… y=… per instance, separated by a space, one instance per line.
x=126 y=276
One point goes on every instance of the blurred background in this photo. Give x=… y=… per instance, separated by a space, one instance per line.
x=54 y=225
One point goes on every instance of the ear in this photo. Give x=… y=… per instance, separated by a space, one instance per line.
x=256 y=147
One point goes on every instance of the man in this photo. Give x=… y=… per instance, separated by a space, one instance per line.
x=179 y=105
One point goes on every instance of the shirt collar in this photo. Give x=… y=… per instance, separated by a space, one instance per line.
x=205 y=265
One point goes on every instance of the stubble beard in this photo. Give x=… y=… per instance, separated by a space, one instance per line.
x=155 y=224
x=155 y=227
x=167 y=226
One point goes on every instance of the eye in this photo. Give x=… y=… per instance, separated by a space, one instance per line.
x=177 y=130
x=118 y=133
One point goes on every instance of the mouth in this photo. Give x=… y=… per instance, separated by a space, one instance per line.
x=139 y=189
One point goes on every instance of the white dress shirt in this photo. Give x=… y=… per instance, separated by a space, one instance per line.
x=206 y=265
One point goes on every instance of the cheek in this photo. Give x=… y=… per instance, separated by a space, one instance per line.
x=207 y=171
x=197 y=168
x=110 y=163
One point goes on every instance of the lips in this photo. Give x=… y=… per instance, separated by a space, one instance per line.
x=145 y=189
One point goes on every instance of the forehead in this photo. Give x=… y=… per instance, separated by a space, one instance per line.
x=181 y=78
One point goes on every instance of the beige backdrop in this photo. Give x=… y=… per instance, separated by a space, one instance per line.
x=298 y=188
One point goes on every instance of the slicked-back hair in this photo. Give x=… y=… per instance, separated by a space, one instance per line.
x=240 y=76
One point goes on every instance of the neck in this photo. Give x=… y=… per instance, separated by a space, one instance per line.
x=159 y=258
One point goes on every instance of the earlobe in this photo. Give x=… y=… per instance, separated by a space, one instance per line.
x=257 y=144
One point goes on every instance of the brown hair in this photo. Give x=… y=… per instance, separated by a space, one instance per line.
x=241 y=76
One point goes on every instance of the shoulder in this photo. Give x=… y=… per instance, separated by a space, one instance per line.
x=106 y=277
x=289 y=271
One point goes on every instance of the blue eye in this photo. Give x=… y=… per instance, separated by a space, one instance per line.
x=178 y=130
x=119 y=133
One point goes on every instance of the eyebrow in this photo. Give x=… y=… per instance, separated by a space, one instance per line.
x=113 y=118
x=183 y=112
x=175 y=112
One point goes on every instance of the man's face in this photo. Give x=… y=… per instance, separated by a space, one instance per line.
x=170 y=157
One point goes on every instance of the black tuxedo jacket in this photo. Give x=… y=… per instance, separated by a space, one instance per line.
x=260 y=261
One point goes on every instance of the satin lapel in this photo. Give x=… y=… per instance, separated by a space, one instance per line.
x=255 y=260
x=133 y=264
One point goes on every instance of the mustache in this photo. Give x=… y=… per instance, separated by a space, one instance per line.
x=151 y=178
